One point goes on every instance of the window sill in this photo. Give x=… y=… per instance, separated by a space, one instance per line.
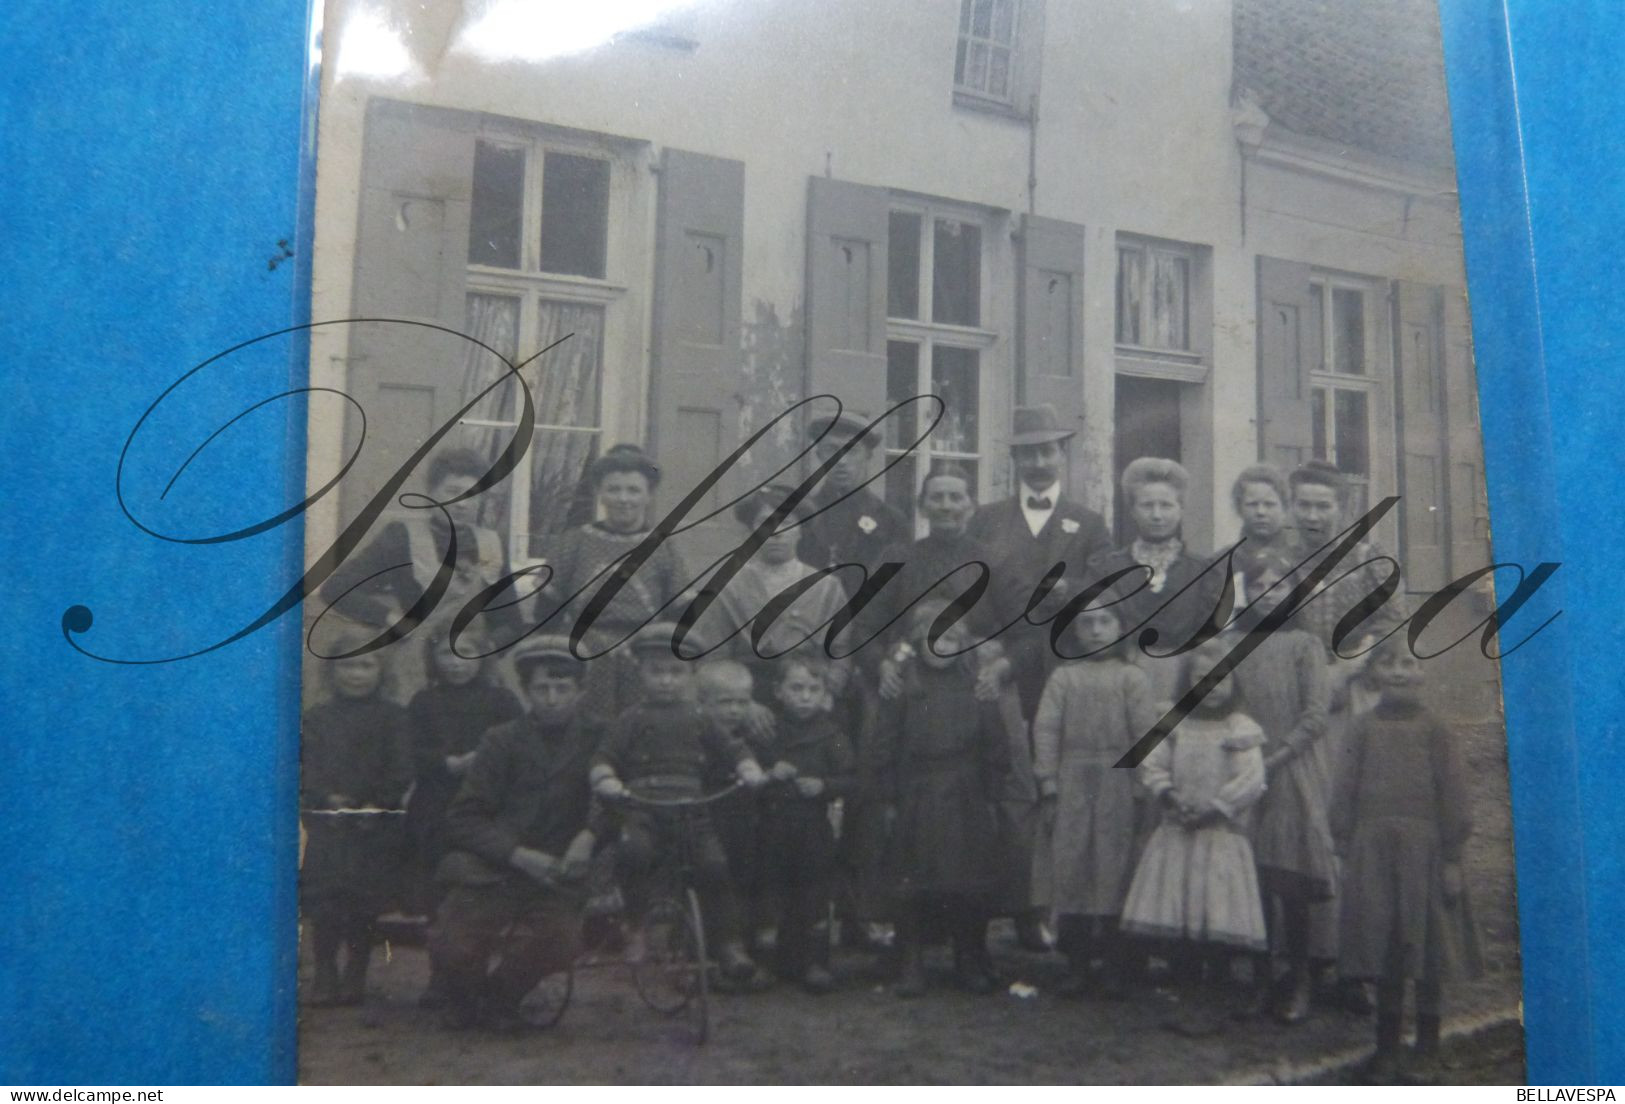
x=969 y=101
x=1147 y=364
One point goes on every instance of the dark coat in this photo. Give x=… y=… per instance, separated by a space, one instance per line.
x=1072 y=536
x=940 y=759
x=854 y=530
x=527 y=787
x=360 y=749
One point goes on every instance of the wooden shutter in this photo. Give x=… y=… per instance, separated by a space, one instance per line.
x=1289 y=344
x=1424 y=473
x=411 y=263
x=846 y=293
x=695 y=363
x=1050 y=322
x=1465 y=490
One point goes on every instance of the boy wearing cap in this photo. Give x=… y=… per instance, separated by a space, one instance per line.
x=660 y=749
x=521 y=831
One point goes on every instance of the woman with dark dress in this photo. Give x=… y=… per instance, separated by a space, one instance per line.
x=584 y=558
x=938 y=759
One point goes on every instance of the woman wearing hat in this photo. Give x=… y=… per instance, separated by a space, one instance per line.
x=623 y=482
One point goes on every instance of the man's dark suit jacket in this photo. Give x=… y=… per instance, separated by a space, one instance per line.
x=1072 y=536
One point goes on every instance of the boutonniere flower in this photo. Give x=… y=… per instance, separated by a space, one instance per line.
x=868 y=524
x=1069 y=525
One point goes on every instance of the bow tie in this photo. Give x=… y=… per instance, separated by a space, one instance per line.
x=1034 y=502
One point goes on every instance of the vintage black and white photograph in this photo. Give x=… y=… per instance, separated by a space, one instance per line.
x=897 y=541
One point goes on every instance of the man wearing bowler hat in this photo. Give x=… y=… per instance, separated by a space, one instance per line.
x=1025 y=536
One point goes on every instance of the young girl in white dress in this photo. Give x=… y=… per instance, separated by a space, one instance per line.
x=1196 y=884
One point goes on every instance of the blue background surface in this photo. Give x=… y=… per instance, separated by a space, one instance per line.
x=152 y=165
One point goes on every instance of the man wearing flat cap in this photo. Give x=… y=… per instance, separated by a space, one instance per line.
x=1025 y=536
x=522 y=830
x=852 y=525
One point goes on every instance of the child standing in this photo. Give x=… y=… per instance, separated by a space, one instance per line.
x=1283 y=686
x=1401 y=819
x=1092 y=710
x=660 y=749
x=940 y=758
x=726 y=695
x=813 y=764
x=1196 y=883
x=356 y=765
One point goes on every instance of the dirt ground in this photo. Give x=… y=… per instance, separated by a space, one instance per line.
x=863 y=1034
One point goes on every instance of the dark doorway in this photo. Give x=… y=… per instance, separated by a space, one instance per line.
x=1147 y=424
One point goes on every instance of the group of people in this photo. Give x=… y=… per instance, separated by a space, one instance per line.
x=955 y=762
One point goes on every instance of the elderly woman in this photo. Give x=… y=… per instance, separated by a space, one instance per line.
x=1179 y=595
x=623 y=481
x=931 y=572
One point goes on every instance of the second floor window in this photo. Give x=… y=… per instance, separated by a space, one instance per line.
x=985 y=62
x=1154 y=296
x=539 y=209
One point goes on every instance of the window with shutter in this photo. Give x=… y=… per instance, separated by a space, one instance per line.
x=937 y=341
x=500 y=232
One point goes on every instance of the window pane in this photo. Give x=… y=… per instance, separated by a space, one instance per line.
x=575 y=214
x=982 y=19
x=568 y=394
x=964 y=15
x=954 y=379
x=1353 y=432
x=976 y=65
x=1004 y=21
x=903 y=383
x=956 y=278
x=959 y=63
x=497 y=204
x=903 y=265
x=1319 y=442
x=1317 y=304
x=998 y=73
x=1130 y=273
x=1348 y=331
x=492 y=320
x=1170 y=301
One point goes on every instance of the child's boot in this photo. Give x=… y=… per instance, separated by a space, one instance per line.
x=1426 y=1061
x=324 y=990
x=1294 y=1005
x=353 y=982
x=973 y=966
x=1383 y=1068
